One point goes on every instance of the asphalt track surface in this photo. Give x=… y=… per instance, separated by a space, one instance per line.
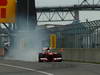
x=9 y=67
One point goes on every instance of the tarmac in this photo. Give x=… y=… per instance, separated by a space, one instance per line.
x=12 y=67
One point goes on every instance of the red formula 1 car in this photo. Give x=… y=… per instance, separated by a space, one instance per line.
x=48 y=56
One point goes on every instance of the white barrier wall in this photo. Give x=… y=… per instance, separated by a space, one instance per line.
x=82 y=54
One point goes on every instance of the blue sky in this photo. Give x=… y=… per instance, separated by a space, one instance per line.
x=91 y=15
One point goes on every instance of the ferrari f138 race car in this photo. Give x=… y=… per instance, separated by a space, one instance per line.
x=48 y=56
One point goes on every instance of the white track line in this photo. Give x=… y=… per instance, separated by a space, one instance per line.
x=29 y=69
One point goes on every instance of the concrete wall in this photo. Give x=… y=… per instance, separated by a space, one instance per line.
x=82 y=54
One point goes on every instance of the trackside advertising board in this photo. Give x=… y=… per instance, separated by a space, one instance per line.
x=7 y=11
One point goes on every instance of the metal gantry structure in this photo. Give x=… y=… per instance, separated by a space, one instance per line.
x=59 y=14
x=55 y=14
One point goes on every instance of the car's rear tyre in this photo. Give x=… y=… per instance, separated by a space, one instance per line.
x=59 y=56
x=40 y=56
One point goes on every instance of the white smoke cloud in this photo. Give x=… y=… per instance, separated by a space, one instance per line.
x=27 y=44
